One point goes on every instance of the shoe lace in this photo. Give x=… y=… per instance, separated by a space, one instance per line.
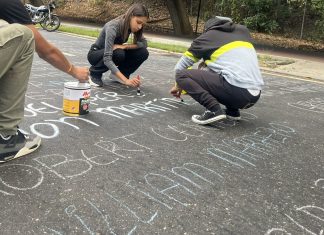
x=205 y=114
x=5 y=137
x=23 y=133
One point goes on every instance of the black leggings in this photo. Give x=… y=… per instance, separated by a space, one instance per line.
x=126 y=60
x=210 y=89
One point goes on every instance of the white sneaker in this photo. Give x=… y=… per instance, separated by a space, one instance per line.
x=18 y=145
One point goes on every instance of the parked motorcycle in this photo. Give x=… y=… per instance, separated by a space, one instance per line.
x=43 y=15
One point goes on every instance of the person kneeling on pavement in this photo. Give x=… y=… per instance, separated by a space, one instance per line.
x=19 y=38
x=112 y=52
x=231 y=75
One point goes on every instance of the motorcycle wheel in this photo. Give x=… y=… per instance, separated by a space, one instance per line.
x=52 y=25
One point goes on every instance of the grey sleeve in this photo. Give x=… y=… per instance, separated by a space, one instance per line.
x=184 y=63
x=111 y=33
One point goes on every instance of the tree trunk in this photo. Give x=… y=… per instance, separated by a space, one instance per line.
x=179 y=17
x=36 y=3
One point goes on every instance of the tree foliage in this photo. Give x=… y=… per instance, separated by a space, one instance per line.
x=270 y=16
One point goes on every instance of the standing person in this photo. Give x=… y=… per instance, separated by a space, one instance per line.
x=18 y=40
x=111 y=52
x=231 y=77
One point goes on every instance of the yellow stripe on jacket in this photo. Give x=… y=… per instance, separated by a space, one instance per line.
x=228 y=47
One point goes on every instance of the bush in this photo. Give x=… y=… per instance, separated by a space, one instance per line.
x=319 y=33
x=261 y=23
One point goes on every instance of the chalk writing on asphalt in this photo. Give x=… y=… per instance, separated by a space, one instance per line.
x=144 y=198
x=169 y=189
x=315 y=214
x=319 y=183
x=238 y=151
x=49 y=128
x=275 y=87
x=315 y=105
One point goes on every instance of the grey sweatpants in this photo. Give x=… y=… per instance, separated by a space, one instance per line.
x=16 y=56
x=209 y=89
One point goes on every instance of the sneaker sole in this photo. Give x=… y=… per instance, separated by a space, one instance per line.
x=25 y=150
x=215 y=119
x=233 y=118
x=94 y=84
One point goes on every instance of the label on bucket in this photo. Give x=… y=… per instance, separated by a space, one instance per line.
x=76 y=99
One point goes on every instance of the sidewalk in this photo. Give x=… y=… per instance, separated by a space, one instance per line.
x=301 y=68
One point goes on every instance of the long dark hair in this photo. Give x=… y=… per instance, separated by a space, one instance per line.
x=135 y=10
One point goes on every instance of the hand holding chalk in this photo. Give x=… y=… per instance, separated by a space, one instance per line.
x=176 y=92
x=138 y=88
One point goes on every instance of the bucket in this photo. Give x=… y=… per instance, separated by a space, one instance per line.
x=76 y=99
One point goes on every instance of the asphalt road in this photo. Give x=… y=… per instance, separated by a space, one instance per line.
x=138 y=165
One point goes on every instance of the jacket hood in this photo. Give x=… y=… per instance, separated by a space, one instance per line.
x=219 y=23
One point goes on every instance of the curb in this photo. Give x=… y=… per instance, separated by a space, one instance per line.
x=290 y=76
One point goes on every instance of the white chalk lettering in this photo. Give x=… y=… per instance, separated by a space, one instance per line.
x=148 y=221
x=34 y=179
x=32 y=113
x=180 y=138
x=63 y=167
x=168 y=186
x=37 y=96
x=131 y=141
x=315 y=105
x=55 y=130
x=319 y=182
x=315 y=208
x=149 y=195
x=300 y=226
x=62 y=120
x=125 y=111
x=273 y=230
x=71 y=211
x=104 y=217
x=196 y=176
x=39 y=110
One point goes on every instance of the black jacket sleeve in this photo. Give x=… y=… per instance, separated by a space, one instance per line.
x=13 y=11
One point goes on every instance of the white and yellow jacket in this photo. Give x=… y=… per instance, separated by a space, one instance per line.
x=227 y=49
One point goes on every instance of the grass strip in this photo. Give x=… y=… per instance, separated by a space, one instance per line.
x=95 y=33
x=265 y=61
x=79 y=31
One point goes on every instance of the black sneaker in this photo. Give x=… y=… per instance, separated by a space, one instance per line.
x=18 y=145
x=95 y=79
x=208 y=117
x=233 y=114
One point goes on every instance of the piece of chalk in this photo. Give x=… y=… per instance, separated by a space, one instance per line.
x=138 y=88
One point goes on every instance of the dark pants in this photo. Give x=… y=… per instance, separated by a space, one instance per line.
x=210 y=89
x=126 y=60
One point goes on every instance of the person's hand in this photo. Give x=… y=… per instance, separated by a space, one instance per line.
x=118 y=46
x=80 y=73
x=202 y=65
x=176 y=91
x=134 y=82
